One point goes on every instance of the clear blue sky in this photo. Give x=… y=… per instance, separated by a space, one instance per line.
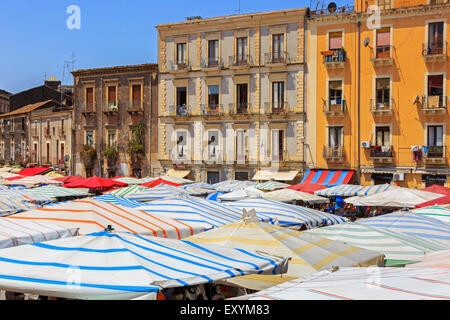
x=35 y=40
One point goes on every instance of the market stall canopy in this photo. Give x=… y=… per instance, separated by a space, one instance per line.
x=109 y=265
x=119 y=201
x=203 y=185
x=348 y=190
x=287 y=214
x=307 y=187
x=372 y=283
x=246 y=193
x=398 y=248
x=210 y=214
x=395 y=197
x=126 y=191
x=308 y=253
x=69 y=179
x=215 y=196
x=438 y=189
x=10 y=205
x=440 y=259
x=158 y=182
x=271 y=185
x=178 y=173
x=437 y=212
x=327 y=178
x=176 y=179
x=34 y=180
x=96 y=183
x=20 y=232
x=159 y=192
x=24 y=195
x=128 y=180
x=413 y=224
x=33 y=171
x=94 y=215
x=232 y=185
x=443 y=200
x=53 y=174
x=289 y=195
x=57 y=192
x=275 y=175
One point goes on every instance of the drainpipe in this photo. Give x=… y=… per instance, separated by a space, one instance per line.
x=358 y=172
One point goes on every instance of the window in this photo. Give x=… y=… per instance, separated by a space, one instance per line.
x=382 y=92
x=90 y=138
x=335 y=92
x=241 y=145
x=435 y=38
x=241 y=176
x=241 y=50
x=62 y=153
x=112 y=141
x=35 y=153
x=23 y=150
x=136 y=97
x=277 y=145
x=62 y=126
x=89 y=98
x=213 y=96
x=435 y=143
x=383 y=43
x=277 y=96
x=335 y=40
x=382 y=136
x=435 y=90
x=181 y=144
x=112 y=97
x=181 y=97
x=181 y=54
x=335 y=137
x=212 y=177
x=213 y=144
x=2 y=150
x=213 y=53
x=12 y=151
x=278 y=47
x=48 y=153
x=384 y=4
x=242 y=97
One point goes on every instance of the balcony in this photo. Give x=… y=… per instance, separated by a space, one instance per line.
x=47 y=132
x=276 y=58
x=276 y=108
x=212 y=110
x=111 y=107
x=35 y=133
x=334 y=107
x=61 y=132
x=334 y=58
x=380 y=154
x=434 y=104
x=87 y=108
x=213 y=64
x=237 y=109
x=435 y=52
x=382 y=56
x=179 y=111
x=178 y=66
x=240 y=61
x=333 y=154
x=381 y=108
x=135 y=106
x=435 y=155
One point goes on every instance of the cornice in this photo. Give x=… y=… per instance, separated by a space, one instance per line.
x=152 y=67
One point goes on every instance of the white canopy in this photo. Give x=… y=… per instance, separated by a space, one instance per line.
x=246 y=193
x=288 y=195
x=396 y=197
x=118 y=266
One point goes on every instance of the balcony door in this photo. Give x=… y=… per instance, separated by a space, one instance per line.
x=435 y=37
x=383 y=43
x=213 y=53
x=181 y=96
x=435 y=90
x=278 y=47
x=181 y=54
x=382 y=92
x=335 y=137
x=435 y=141
x=112 y=96
x=89 y=99
x=277 y=96
x=241 y=50
x=277 y=145
x=136 y=97
x=242 y=97
x=383 y=136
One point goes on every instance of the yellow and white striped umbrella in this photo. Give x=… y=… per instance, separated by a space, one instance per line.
x=308 y=253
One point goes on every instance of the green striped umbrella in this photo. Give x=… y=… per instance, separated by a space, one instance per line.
x=271 y=185
x=436 y=212
x=122 y=192
x=398 y=248
x=128 y=180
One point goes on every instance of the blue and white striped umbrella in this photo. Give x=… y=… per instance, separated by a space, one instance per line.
x=288 y=214
x=123 y=266
x=215 y=196
x=203 y=185
x=159 y=192
x=24 y=195
x=10 y=205
x=198 y=210
x=232 y=185
x=349 y=190
x=119 y=201
x=412 y=223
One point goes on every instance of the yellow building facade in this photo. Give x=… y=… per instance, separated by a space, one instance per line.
x=392 y=127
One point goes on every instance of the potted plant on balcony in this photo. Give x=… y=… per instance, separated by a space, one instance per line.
x=136 y=144
x=88 y=155
x=111 y=155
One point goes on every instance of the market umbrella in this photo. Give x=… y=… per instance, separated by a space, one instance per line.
x=110 y=265
x=94 y=215
x=289 y=195
x=308 y=253
x=288 y=214
x=232 y=185
x=214 y=196
x=158 y=192
x=20 y=232
x=34 y=171
x=437 y=212
x=271 y=185
x=24 y=195
x=57 y=192
x=438 y=201
x=159 y=181
x=125 y=191
x=34 y=180
x=396 y=197
x=348 y=190
x=371 y=283
x=307 y=187
x=438 y=189
x=439 y=259
x=119 y=201
x=96 y=183
x=53 y=174
x=127 y=180
x=398 y=248
x=241 y=194
x=69 y=179
x=10 y=205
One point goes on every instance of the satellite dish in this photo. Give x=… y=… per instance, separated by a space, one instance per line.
x=332 y=7
x=366 y=42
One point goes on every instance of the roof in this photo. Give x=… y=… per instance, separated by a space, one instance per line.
x=27 y=108
x=117 y=69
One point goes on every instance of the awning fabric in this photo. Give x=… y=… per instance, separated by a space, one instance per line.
x=178 y=173
x=327 y=178
x=33 y=171
x=278 y=175
x=124 y=266
x=437 y=212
